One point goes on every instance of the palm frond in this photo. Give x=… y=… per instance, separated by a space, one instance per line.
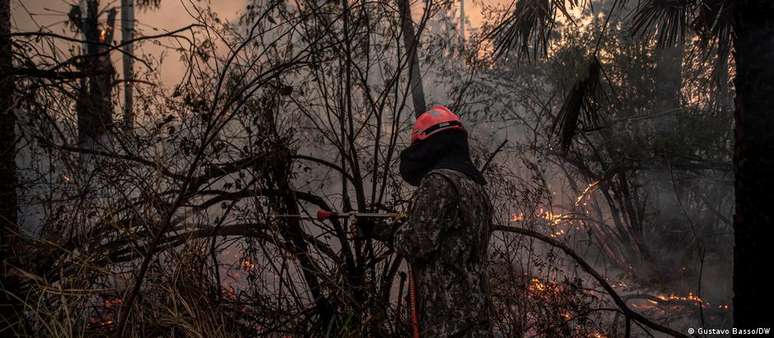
x=714 y=19
x=666 y=20
x=580 y=106
x=528 y=27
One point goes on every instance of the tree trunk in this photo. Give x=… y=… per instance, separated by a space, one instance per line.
x=10 y=307
x=94 y=107
x=410 y=40
x=127 y=34
x=753 y=161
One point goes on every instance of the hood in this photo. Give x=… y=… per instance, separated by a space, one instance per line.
x=444 y=150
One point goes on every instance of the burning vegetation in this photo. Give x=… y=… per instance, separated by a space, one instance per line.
x=612 y=190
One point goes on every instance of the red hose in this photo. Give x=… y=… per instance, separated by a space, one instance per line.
x=413 y=305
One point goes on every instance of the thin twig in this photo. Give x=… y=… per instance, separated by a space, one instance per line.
x=492 y=155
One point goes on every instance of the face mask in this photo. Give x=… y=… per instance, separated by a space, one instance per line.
x=412 y=165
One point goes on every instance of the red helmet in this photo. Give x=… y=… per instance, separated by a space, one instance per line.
x=436 y=119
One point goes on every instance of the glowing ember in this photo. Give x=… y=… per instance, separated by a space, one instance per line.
x=535 y=285
x=229 y=293
x=586 y=192
x=557 y=233
x=103 y=35
x=690 y=298
x=101 y=322
x=247 y=264
x=549 y=216
x=110 y=302
x=566 y=315
x=552 y=217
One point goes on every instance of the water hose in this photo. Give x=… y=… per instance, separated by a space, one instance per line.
x=413 y=305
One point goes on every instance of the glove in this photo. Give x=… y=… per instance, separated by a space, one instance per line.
x=365 y=228
x=382 y=230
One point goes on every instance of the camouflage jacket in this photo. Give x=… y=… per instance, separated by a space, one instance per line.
x=445 y=240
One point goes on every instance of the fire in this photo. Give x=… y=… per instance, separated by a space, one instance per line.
x=586 y=192
x=100 y=322
x=566 y=315
x=517 y=217
x=675 y=301
x=551 y=217
x=247 y=264
x=110 y=302
x=689 y=298
x=548 y=215
x=535 y=285
x=103 y=35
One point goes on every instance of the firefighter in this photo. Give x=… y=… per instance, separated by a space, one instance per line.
x=446 y=235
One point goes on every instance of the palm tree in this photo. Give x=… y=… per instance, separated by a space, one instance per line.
x=749 y=26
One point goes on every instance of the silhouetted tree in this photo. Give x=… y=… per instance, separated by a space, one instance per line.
x=753 y=26
x=10 y=304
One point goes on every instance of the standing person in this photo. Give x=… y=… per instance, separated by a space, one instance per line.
x=446 y=235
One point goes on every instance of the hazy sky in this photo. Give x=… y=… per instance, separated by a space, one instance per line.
x=170 y=16
x=30 y=15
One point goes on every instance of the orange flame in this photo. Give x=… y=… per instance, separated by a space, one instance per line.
x=247 y=264
x=548 y=215
x=566 y=315
x=689 y=298
x=586 y=192
x=535 y=285
x=103 y=35
x=557 y=233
